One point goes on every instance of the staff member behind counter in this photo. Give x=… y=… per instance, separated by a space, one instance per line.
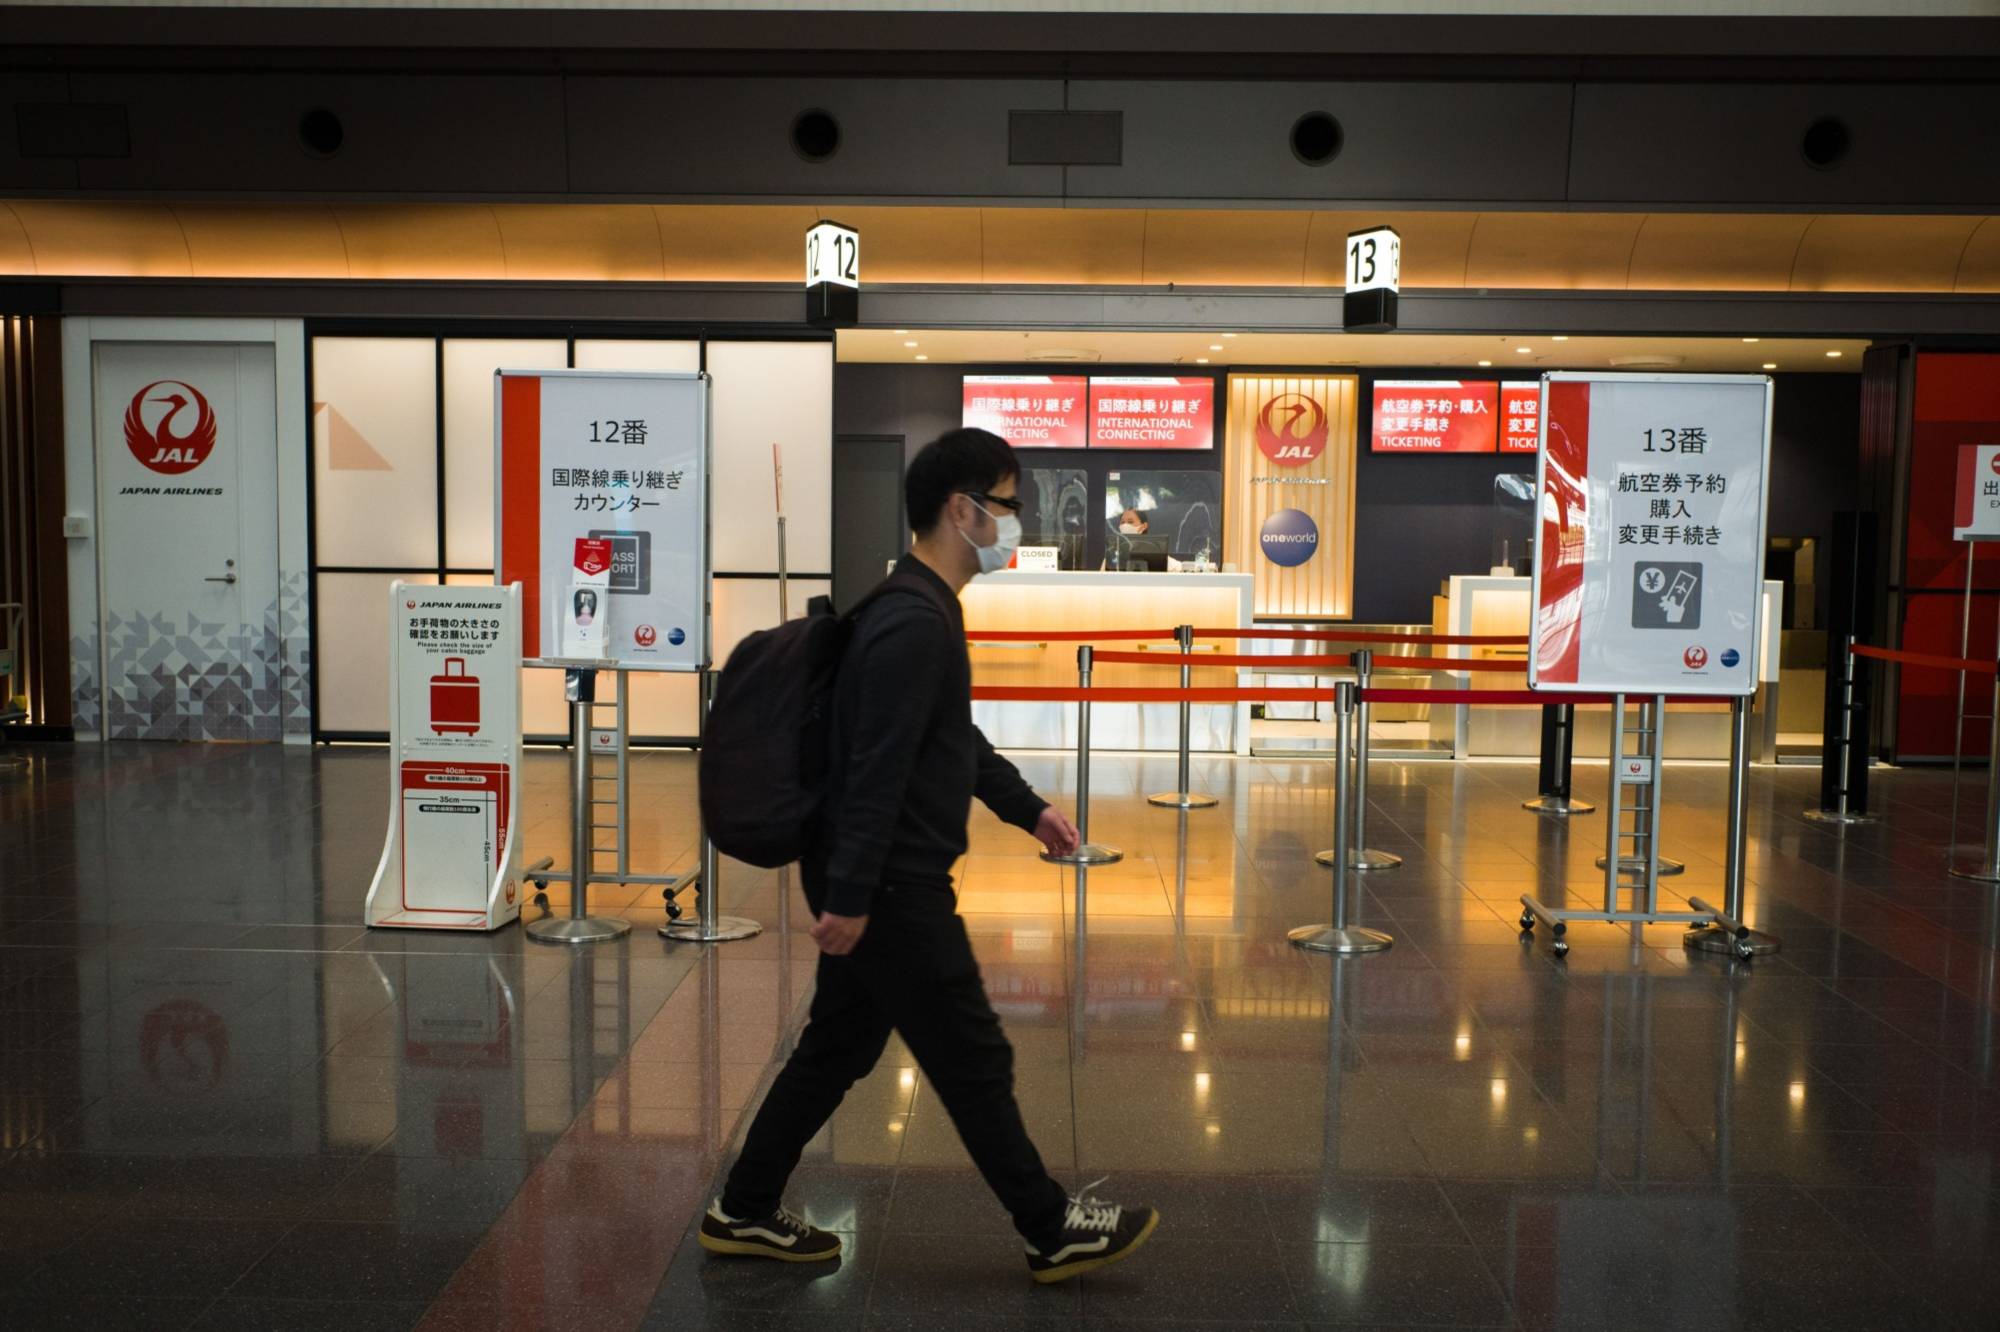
x=1134 y=549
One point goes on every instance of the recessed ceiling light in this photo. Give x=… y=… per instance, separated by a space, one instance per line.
x=1753 y=339
x=1834 y=354
x=1524 y=350
x=1561 y=337
x=1215 y=346
x=910 y=343
x=902 y=332
x=1228 y=335
x=1201 y=360
x=922 y=357
x=1486 y=362
x=1770 y=365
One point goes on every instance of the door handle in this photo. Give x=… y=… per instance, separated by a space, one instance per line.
x=223 y=578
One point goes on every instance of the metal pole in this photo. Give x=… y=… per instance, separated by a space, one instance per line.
x=1728 y=933
x=709 y=925
x=1958 y=727
x=1365 y=859
x=1614 y=854
x=1988 y=869
x=624 y=775
x=1840 y=813
x=1557 y=800
x=1340 y=937
x=784 y=601
x=1086 y=853
x=1183 y=796
x=579 y=927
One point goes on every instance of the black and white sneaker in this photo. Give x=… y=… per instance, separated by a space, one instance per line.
x=1095 y=1234
x=779 y=1235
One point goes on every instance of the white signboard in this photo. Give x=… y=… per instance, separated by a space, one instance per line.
x=619 y=456
x=1649 y=574
x=1038 y=559
x=833 y=255
x=1375 y=260
x=452 y=857
x=1977 y=514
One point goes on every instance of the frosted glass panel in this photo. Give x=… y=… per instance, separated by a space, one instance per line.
x=469 y=364
x=374 y=419
x=353 y=648
x=765 y=393
x=632 y=354
x=544 y=710
x=664 y=703
x=742 y=606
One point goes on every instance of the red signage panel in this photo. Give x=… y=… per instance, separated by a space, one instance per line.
x=1151 y=413
x=1520 y=417
x=1435 y=416
x=1028 y=411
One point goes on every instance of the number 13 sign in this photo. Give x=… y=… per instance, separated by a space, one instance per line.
x=1375 y=260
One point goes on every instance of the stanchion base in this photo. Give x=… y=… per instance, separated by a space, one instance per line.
x=575 y=929
x=1835 y=816
x=1327 y=939
x=1635 y=865
x=726 y=928
x=1558 y=806
x=1980 y=875
x=1715 y=939
x=1182 y=800
x=1361 y=860
x=1088 y=854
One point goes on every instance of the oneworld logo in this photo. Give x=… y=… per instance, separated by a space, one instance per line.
x=1289 y=538
x=170 y=427
x=1291 y=429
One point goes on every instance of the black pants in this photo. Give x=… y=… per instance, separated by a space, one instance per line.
x=913 y=972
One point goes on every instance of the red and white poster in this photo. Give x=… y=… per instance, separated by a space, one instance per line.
x=1028 y=411
x=449 y=861
x=584 y=457
x=1520 y=418
x=1434 y=416
x=1976 y=515
x=1151 y=413
x=1649 y=574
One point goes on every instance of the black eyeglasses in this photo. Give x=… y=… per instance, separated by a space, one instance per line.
x=1012 y=506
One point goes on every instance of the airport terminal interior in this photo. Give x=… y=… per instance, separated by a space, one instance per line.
x=1499 y=584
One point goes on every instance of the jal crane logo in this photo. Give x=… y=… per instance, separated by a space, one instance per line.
x=1291 y=429
x=1695 y=657
x=161 y=433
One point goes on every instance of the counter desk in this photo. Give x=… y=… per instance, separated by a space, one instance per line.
x=1077 y=601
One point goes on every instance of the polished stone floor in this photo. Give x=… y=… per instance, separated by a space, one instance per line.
x=225 y=1105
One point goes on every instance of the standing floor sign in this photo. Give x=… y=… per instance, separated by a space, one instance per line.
x=452 y=858
x=1652 y=495
x=605 y=456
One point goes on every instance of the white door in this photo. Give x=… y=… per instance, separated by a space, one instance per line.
x=187 y=518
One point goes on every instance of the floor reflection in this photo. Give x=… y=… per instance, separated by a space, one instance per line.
x=222 y=1103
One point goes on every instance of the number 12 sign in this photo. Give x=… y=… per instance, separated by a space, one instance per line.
x=833 y=255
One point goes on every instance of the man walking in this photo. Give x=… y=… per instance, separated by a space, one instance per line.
x=907 y=762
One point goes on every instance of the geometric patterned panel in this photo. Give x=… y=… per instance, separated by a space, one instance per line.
x=84 y=699
x=295 y=636
x=196 y=680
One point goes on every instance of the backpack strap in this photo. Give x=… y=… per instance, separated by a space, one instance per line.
x=900 y=582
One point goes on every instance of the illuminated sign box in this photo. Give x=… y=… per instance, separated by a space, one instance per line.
x=1435 y=416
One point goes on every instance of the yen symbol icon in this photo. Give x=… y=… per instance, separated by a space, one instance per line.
x=1651 y=580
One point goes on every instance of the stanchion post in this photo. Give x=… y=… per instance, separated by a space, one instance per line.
x=1728 y=934
x=1988 y=869
x=1183 y=796
x=1557 y=760
x=1364 y=858
x=580 y=687
x=1086 y=853
x=1841 y=810
x=709 y=924
x=1340 y=937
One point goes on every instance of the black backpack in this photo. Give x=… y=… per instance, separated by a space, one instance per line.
x=764 y=752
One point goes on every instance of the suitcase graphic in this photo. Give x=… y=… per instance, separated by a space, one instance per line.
x=455 y=699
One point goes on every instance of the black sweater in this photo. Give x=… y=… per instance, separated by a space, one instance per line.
x=907 y=759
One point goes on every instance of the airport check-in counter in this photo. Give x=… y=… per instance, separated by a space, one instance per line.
x=1078 y=601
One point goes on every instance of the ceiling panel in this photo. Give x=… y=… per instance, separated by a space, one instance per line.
x=239 y=240
x=1066 y=245
x=1847 y=253
x=586 y=243
x=1524 y=251
x=421 y=241
x=1706 y=252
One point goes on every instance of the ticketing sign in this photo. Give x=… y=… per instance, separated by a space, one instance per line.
x=1652 y=507
x=1434 y=416
x=1520 y=418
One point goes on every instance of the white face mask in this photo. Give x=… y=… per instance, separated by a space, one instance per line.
x=994 y=558
x=1130 y=529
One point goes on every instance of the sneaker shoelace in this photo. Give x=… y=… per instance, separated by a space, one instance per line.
x=1088 y=1213
x=785 y=1218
